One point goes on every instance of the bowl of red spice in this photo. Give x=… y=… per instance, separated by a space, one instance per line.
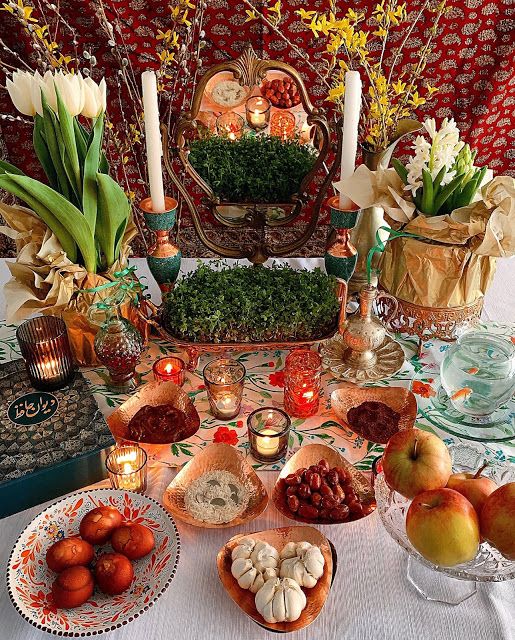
x=375 y=413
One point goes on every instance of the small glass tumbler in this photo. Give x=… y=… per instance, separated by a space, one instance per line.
x=268 y=432
x=230 y=125
x=302 y=373
x=224 y=380
x=169 y=369
x=46 y=350
x=282 y=125
x=127 y=468
x=257 y=112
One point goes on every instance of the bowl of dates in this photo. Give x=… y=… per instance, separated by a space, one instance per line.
x=319 y=485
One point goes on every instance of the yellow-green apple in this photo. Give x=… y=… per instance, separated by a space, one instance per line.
x=415 y=461
x=443 y=527
x=475 y=487
x=498 y=520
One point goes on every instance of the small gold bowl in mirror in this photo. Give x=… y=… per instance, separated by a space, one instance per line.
x=216 y=457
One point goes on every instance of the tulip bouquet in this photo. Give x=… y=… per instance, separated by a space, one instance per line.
x=82 y=205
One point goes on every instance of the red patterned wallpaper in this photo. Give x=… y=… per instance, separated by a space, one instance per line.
x=473 y=63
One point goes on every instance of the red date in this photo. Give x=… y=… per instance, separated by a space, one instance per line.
x=316 y=499
x=293 y=503
x=339 y=513
x=324 y=464
x=339 y=493
x=332 y=477
x=292 y=490
x=329 y=502
x=315 y=481
x=325 y=489
x=304 y=491
x=308 y=511
x=293 y=479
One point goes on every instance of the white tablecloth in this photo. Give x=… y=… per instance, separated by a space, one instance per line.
x=371 y=598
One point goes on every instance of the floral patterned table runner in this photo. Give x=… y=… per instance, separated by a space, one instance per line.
x=264 y=387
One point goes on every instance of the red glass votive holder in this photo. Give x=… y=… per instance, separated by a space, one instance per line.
x=302 y=372
x=169 y=369
x=46 y=350
x=282 y=125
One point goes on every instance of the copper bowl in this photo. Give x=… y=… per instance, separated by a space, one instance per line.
x=399 y=399
x=216 y=457
x=316 y=597
x=310 y=454
x=153 y=394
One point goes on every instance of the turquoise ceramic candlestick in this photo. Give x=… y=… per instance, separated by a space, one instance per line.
x=341 y=255
x=164 y=256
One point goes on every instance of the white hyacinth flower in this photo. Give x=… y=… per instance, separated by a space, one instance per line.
x=20 y=91
x=94 y=97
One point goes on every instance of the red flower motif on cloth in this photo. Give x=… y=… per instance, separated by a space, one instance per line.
x=224 y=434
x=239 y=424
x=423 y=389
x=270 y=364
x=276 y=379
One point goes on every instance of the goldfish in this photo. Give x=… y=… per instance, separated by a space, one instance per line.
x=461 y=393
x=472 y=370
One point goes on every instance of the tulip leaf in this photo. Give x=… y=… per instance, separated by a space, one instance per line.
x=74 y=195
x=68 y=136
x=67 y=214
x=29 y=196
x=42 y=152
x=49 y=125
x=81 y=141
x=89 y=193
x=112 y=216
x=5 y=167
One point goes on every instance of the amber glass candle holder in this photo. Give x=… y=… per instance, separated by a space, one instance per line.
x=282 y=125
x=169 y=369
x=230 y=125
x=257 y=112
x=46 y=350
x=224 y=380
x=268 y=432
x=127 y=468
x=302 y=372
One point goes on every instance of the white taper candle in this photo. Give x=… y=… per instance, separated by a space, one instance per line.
x=351 y=111
x=153 y=140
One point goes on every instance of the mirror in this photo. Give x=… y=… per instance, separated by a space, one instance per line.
x=253 y=142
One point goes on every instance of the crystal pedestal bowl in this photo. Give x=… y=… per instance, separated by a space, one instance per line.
x=451 y=585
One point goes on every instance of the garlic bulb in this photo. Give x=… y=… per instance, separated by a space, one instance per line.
x=302 y=562
x=280 y=600
x=253 y=563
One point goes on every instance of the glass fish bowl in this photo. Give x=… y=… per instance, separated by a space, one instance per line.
x=478 y=373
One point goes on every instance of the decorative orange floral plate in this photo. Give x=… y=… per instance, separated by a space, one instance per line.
x=29 y=580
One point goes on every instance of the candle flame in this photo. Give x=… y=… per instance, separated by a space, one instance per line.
x=168 y=368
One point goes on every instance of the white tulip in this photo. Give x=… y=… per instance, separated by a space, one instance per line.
x=44 y=84
x=71 y=90
x=20 y=90
x=94 y=97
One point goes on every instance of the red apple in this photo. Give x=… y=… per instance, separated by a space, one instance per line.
x=498 y=520
x=443 y=527
x=475 y=487
x=415 y=461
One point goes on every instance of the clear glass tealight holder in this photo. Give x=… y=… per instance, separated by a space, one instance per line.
x=268 y=432
x=224 y=379
x=127 y=468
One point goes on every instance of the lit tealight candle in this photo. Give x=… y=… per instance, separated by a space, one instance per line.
x=127 y=468
x=267 y=446
x=169 y=369
x=258 y=112
x=226 y=405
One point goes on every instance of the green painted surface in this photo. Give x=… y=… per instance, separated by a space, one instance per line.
x=341 y=268
x=165 y=270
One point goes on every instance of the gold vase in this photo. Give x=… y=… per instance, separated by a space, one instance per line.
x=363 y=236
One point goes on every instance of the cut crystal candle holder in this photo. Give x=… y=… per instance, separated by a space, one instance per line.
x=302 y=372
x=224 y=379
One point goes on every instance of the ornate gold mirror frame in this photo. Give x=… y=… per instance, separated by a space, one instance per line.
x=249 y=71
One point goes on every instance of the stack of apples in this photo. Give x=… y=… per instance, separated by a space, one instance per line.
x=450 y=513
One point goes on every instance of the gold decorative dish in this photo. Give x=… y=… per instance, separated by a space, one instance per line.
x=216 y=457
x=153 y=394
x=278 y=538
x=400 y=399
x=309 y=455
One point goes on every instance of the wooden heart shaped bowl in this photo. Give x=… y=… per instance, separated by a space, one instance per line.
x=308 y=455
x=278 y=538
x=400 y=399
x=216 y=457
